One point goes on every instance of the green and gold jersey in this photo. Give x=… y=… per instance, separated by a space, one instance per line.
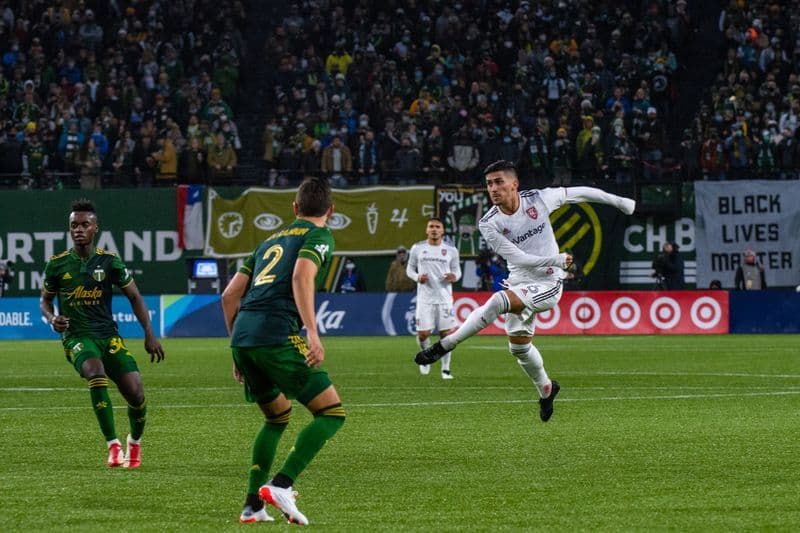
x=268 y=314
x=84 y=288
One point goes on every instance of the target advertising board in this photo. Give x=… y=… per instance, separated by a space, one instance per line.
x=620 y=313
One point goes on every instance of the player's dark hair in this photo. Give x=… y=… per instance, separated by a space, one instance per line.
x=83 y=205
x=313 y=197
x=437 y=219
x=501 y=166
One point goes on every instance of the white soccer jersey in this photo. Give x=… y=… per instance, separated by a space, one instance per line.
x=526 y=240
x=435 y=261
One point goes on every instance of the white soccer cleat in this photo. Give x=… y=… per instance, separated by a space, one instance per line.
x=424 y=369
x=446 y=374
x=249 y=516
x=284 y=500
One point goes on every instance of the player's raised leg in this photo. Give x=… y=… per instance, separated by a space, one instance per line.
x=499 y=303
x=328 y=418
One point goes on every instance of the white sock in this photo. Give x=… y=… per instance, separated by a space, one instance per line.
x=113 y=441
x=478 y=319
x=446 y=362
x=131 y=440
x=531 y=362
x=423 y=344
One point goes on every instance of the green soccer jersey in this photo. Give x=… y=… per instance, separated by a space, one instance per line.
x=84 y=288
x=268 y=314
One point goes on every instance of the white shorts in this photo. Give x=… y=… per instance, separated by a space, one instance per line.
x=440 y=317
x=537 y=297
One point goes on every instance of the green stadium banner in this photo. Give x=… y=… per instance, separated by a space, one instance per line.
x=138 y=224
x=368 y=221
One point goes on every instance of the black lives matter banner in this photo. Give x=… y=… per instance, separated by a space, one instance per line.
x=733 y=216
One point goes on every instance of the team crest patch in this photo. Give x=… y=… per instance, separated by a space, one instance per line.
x=99 y=274
x=506 y=231
x=532 y=212
x=66 y=276
x=444 y=252
x=524 y=292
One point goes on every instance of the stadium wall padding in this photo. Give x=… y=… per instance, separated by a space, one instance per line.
x=765 y=312
x=379 y=314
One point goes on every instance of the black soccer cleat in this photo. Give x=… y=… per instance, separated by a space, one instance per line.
x=431 y=354
x=546 y=404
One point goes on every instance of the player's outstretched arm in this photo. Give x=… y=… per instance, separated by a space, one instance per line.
x=151 y=344
x=304 y=288
x=591 y=194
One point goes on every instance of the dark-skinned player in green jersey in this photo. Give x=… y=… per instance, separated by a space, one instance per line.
x=83 y=278
x=265 y=304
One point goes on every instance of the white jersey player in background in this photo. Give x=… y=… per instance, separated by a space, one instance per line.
x=518 y=228
x=435 y=266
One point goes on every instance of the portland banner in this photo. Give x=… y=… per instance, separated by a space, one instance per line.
x=759 y=215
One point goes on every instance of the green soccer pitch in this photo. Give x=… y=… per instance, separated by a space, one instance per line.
x=649 y=433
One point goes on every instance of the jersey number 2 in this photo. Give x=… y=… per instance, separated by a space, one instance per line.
x=272 y=256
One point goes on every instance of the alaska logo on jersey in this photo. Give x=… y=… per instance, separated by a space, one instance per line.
x=532 y=212
x=82 y=293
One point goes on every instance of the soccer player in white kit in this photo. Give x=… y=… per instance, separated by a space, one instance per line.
x=518 y=228
x=435 y=266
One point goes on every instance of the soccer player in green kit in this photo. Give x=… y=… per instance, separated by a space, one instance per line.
x=83 y=279
x=265 y=304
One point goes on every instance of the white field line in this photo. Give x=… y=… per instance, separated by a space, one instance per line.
x=457 y=403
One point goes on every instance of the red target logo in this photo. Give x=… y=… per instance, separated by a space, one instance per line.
x=665 y=313
x=584 y=313
x=705 y=312
x=625 y=312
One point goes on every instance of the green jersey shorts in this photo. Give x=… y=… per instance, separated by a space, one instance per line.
x=279 y=368
x=117 y=360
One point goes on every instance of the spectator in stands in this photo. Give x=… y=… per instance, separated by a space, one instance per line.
x=464 y=157
x=651 y=144
x=35 y=160
x=337 y=162
x=90 y=162
x=351 y=279
x=221 y=161
x=622 y=156
x=750 y=274
x=367 y=158
x=193 y=166
x=143 y=163
x=408 y=162
x=396 y=278
x=714 y=157
x=166 y=158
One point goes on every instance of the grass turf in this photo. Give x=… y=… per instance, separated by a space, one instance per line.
x=649 y=433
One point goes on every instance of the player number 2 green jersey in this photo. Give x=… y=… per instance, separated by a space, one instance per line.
x=268 y=314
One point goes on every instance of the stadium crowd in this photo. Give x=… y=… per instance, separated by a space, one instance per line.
x=120 y=92
x=137 y=92
x=572 y=89
x=749 y=127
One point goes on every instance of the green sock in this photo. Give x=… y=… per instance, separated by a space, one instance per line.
x=98 y=390
x=137 y=417
x=312 y=438
x=264 y=449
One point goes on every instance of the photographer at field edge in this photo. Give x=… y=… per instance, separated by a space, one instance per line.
x=668 y=266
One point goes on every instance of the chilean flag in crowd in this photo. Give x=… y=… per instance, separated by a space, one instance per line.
x=190 y=217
